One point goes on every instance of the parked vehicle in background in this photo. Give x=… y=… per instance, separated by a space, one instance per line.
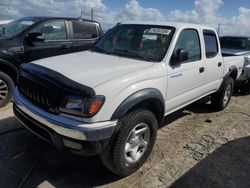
x=109 y=100
x=33 y=38
x=239 y=46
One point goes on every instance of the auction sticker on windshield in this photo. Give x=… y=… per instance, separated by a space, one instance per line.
x=161 y=31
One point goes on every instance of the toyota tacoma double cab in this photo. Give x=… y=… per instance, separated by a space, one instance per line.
x=32 y=38
x=238 y=46
x=108 y=101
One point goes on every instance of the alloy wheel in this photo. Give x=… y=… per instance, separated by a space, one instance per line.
x=3 y=90
x=137 y=142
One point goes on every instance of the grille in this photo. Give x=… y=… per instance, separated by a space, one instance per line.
x=38 y=94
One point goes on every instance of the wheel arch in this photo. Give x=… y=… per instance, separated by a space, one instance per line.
x=9 y=69
x=150 y=99
x=233 y=73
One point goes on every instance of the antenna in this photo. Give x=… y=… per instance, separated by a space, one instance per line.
x=218 y=29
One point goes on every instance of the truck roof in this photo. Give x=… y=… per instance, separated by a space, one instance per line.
x=41 y=18
x=171 y=24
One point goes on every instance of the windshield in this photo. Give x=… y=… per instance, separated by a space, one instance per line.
x=15 y=27
x=235 y=43
x=144 y=42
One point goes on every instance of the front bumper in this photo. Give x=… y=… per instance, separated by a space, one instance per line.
x=64 y=133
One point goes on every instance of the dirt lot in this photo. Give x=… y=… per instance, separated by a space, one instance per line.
x=196 y=147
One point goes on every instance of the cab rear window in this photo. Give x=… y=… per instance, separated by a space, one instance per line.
x=84 y=30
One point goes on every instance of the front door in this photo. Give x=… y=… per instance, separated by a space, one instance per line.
x=56 y=41
x=185 y=79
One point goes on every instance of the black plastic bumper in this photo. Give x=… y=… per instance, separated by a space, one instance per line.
x=85 y=148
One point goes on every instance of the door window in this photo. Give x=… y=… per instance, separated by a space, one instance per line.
x=53 y=30
x=84 y=30
x=189 y=40
x=211 y=44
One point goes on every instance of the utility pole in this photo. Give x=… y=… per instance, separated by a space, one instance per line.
x=218 y=29
x=92 y=14
x=84 y=11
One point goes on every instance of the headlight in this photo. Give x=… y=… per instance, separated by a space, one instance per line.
x=247 y=61
x=81 y=106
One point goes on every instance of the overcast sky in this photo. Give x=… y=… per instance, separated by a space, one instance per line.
x=233 y=15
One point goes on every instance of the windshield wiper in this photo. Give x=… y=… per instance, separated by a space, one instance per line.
x=132 y=54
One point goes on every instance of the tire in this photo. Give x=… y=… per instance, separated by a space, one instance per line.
x=121 y=156
x=221 y=99
x=6 y=88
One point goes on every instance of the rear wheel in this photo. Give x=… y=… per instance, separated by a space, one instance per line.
x=6 y=87
x=221 y=99
x=130 y=147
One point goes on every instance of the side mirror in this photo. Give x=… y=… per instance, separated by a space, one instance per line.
x=34 y=37
x=181 y=55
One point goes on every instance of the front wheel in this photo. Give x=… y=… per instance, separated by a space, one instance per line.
x=221 y=99
x=131 y=145
x=6 y=87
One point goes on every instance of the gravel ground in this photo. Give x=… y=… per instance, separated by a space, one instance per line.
x=195 y=147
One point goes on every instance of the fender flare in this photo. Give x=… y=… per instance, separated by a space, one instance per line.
x=140 y=96
x=232 y=70
x=10 y=65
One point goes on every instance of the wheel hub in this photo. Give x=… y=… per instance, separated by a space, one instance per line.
x=137 y=143
x=3 y=90
x=227 y=95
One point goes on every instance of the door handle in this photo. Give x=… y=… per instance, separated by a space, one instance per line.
x=65 y=47
x=176 y=75
x=202 y=69
x=219 y=64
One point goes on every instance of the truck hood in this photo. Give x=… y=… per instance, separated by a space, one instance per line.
x=236 y=52
x=91 y=68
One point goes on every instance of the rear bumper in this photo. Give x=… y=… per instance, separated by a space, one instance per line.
x=64 y=133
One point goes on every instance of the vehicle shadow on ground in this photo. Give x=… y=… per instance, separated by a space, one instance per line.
x=228 y=166
x=28 y=161
x=173 y=117
x=239 y=92
x=204 y=105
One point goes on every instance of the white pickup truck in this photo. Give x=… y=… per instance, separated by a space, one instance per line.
x=110 y=99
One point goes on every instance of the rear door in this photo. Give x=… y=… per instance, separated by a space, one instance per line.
x=214 y=60
x=56 y=42
x=84 y=35
x=186 y=79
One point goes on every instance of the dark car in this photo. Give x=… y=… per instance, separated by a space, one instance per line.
x=32 y=38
